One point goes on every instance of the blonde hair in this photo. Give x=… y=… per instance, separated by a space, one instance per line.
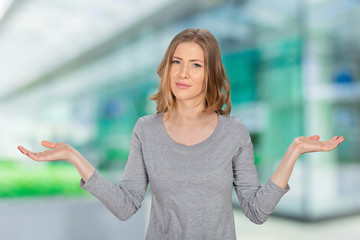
x=216 y=83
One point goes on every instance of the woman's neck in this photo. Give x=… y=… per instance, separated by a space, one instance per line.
x=188 y=114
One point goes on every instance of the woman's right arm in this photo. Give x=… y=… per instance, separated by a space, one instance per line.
x=124 y=200
x=62 y=152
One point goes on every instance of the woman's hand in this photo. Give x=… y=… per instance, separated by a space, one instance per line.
x=59 y=152
x=62 y=152
x=299 y=146
x=312 y=144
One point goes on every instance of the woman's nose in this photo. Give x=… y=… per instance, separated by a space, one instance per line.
x=184 y=72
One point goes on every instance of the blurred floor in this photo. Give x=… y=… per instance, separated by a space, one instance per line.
x=66 y=219
x=281 y=229
x=86 y=218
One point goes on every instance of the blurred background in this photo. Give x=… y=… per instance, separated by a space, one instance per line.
x=82 y=72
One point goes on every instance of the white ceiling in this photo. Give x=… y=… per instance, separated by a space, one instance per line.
x=39 y=35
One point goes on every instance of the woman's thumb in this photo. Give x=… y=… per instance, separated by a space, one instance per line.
x=315 y=137
x=48 y=144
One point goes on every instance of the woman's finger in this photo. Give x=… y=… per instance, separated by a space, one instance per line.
x=340 y=140
x=48 y=144
x=336 y=141
x=333 y=143
x=42 y=156
x=33 y=156
x=333 y=139
x=37 y=156
x=23 y=150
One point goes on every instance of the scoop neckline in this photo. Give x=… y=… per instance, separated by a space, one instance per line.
x=183 y=147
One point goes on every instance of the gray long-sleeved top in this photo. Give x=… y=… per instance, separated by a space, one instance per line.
x=191 y=185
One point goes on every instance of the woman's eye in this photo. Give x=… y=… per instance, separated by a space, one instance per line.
x=197 y=65
x=175 y=61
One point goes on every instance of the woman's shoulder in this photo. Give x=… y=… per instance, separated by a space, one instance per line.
x=148 y=120
x=146 y=123
x=234 y=122
x=235 y=128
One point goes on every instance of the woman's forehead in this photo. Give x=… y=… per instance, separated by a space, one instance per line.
x=189 y=50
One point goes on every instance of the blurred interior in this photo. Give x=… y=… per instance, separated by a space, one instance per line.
x=82 y=72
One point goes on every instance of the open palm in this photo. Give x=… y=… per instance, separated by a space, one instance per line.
x=312 y=144
x=59 y=152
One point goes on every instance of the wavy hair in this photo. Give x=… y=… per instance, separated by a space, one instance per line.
x=216 y=83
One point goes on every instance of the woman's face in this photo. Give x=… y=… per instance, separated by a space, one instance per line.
x=187 y=72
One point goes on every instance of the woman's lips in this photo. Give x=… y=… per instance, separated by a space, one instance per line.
x=182 y=85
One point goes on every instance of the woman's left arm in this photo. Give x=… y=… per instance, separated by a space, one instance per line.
x=299 y=146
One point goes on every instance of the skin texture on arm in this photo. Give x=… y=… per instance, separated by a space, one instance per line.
x=299 y=146
x=62 y=152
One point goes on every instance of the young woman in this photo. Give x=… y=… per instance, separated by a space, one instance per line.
x=191 y=152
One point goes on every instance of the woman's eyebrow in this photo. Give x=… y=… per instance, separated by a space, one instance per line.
x=191 y=60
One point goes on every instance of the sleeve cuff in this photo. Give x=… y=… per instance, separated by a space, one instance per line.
x=276 y=188
x=91 y=181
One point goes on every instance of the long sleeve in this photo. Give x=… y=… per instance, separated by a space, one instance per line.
x=257 y=202
x=123 y=200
